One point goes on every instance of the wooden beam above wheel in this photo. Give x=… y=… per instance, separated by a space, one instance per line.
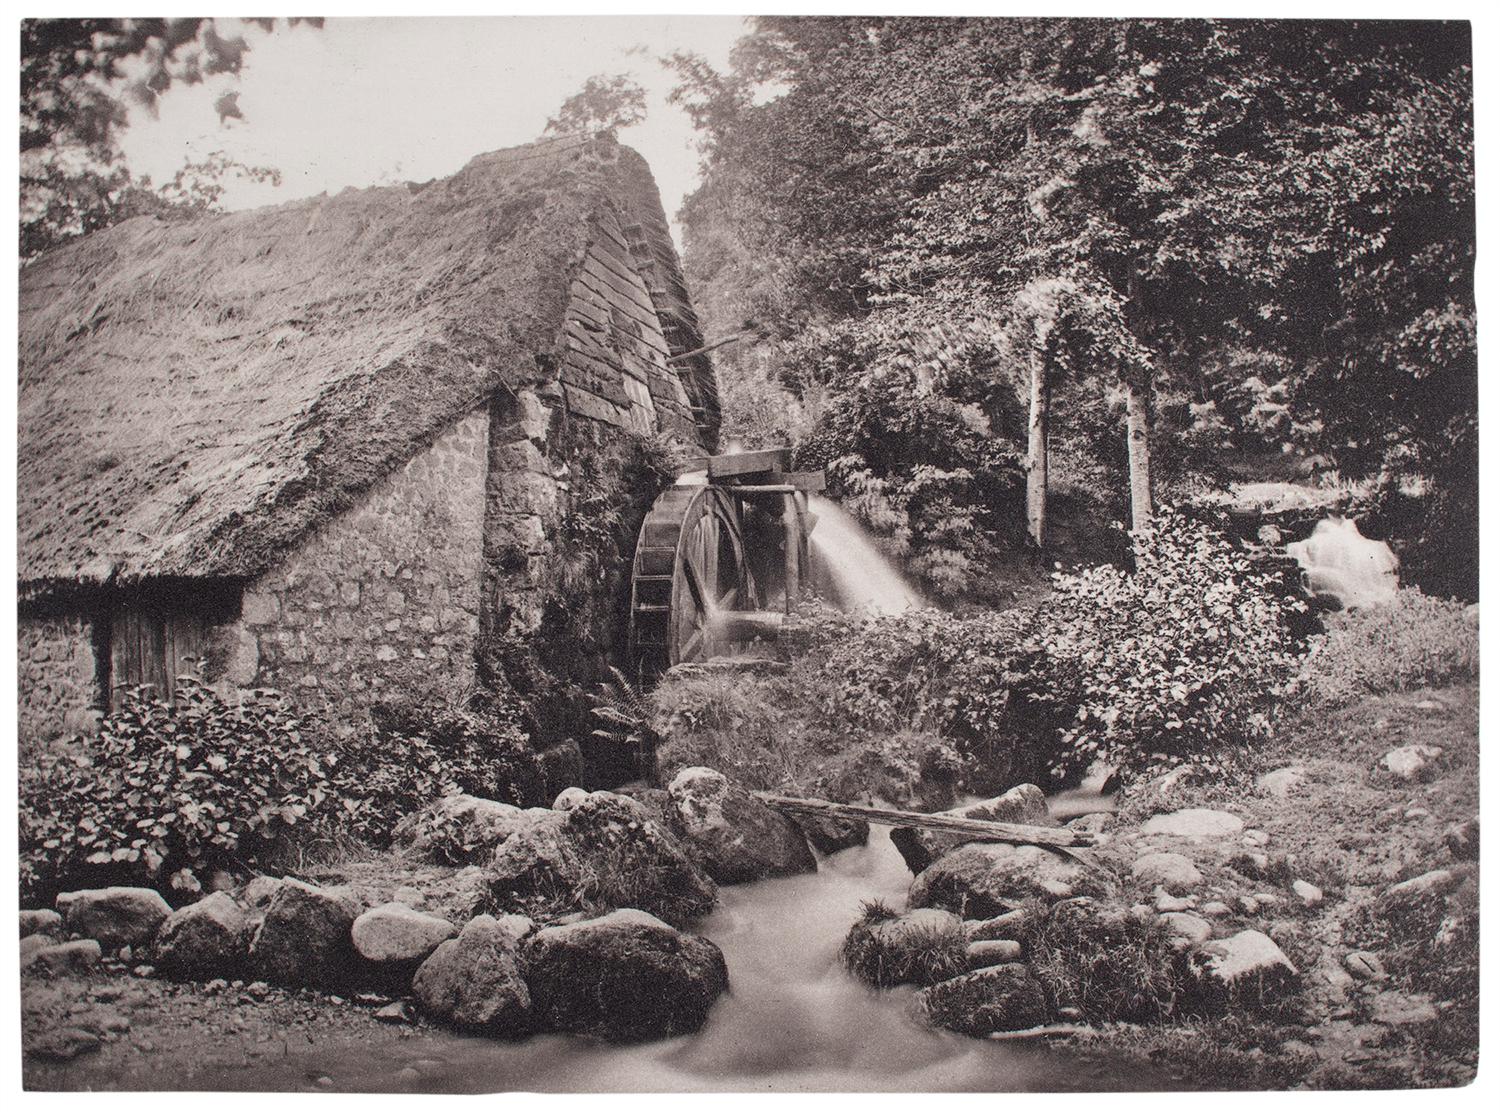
x=749 y=463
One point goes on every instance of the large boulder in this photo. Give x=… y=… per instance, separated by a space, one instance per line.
x=606 y=850
x=1246 y=969
x=115 y=916
x=919 y=847
x=733 y=835
x=625 y=977
x=396 y=939
x=997 y=998
x=921 y=947
x=304 y=939
x=984 y=879
x=475 y=981
x=204 y=940
x=461 y=829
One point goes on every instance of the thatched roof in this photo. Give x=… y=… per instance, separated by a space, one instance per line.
x=195 y=396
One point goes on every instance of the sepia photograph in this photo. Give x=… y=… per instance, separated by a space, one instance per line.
x=716 y=553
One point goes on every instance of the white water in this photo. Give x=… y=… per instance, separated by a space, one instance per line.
x=857 y=574
x=792 y=1020
x=1342 y=562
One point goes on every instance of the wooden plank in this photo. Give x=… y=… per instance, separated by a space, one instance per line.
x=980 y=830
x=799 y=480
x=749 y=463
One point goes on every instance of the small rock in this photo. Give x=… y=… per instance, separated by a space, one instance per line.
x=409 y=1075
x=1365 y=965
x=64 y=958
x=1267 y=899
x=1310 y=894
x=1216 y=909
x=258 y=989
x=144 y=970
x=1248 y=904
x=34 y=942
x=993 y=952
x=260 y=890
x=114 y=916
x=1004 y=926
x=1282 y=782
x=1430 y=885
x=1170 y=870
x=1255 y=839
x=63 y=1044
x=1196 y=823
x=401 y=1011
x=304 y=939
x=1395 y=1009
x=1414 y=814
x=569 y=798
x=40 y=921
x=1462 y=840
x=1166 y=902
x=1408 y=761
x=1190 y=927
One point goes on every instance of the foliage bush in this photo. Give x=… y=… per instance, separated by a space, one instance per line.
x=170 y=791
x=1181 y=661
x=1416 y=641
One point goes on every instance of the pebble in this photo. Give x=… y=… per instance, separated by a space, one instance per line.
x=1255 y=838
x=1418 y=813
x=1364 y=965
x=144 y=970
x=1216 y=909
x=258 y=989
x=1249 y=905
x=1310 y=894
x=1166 y=902
x=1190 y=927
x=399 y=1012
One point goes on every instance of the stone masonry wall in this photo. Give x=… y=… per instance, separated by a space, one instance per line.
x=385 y=595
x=57 y=677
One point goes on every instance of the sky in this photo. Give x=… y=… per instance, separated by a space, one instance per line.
x=377 y=101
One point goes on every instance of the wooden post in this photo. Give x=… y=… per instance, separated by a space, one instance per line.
x=791 y=522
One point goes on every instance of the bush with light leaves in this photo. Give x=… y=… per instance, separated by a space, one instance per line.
x=1180 y=662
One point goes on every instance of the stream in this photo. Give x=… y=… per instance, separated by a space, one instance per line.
x=793 y=1020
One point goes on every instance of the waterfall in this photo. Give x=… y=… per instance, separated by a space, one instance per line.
x=850 y=569
x=1340 y=561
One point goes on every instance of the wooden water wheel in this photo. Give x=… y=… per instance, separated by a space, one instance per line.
x=710 y=552
x=689 y=567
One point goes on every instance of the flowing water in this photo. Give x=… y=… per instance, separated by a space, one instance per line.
x=1340 y=561
x=792 y=1020
x=851 y=569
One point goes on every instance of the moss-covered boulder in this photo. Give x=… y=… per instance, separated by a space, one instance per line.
x=999 y=998
x=626 y=977
x=982 y=880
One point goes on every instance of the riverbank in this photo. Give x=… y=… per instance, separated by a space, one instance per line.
x=1376 y=1005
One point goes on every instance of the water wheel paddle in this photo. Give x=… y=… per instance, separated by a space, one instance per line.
x=689 y=567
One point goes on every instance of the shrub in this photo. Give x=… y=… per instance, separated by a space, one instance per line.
x=170 y=791
x=1179 y=662
x=169 y=788
x=1416 y=641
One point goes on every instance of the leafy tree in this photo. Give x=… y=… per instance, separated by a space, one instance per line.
x=603 y=104
x=79 y=79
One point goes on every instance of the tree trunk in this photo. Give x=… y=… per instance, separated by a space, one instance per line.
x=1138 y=443
x=1036 y=450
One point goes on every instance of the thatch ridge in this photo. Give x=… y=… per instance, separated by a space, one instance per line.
x=195 y=396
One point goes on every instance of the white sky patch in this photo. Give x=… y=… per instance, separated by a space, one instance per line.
x=376 y=101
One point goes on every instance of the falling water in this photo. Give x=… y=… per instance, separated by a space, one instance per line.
x=1341 y=562
x=851 y=568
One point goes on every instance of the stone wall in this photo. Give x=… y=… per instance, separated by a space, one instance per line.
x=58 y=682
x=386 y=594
